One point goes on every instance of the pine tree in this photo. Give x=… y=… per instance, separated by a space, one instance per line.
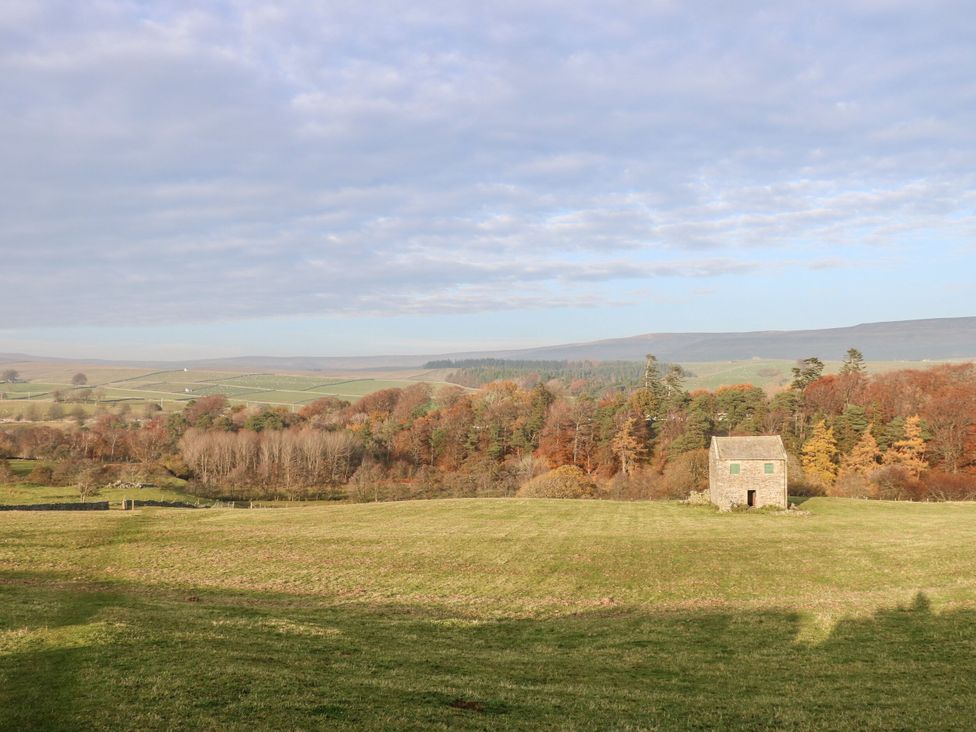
x=909 y=452
x=694 y=436
x=854 y=363
x=819 y=457
x=649 y=400
x=849 y=426
x=806 y=372
x=865 y=457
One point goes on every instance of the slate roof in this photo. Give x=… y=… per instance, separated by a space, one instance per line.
x=750 y=448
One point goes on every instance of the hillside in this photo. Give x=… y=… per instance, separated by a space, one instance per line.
x=903 y=340
x=911 y=340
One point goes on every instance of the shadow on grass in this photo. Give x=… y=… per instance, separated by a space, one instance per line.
x=207 y=660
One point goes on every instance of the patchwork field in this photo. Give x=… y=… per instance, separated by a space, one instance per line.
x=491 y=614
x=172 y=389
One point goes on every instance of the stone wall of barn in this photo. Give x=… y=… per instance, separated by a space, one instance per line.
x=727 y=490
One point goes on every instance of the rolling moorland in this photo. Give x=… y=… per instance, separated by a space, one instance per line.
x=491 y=614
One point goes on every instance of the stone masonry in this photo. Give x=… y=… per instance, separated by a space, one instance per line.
x=744 y=471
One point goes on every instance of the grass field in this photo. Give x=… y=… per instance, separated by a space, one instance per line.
x=773 y=374
x=167 y=489
x=491 y=614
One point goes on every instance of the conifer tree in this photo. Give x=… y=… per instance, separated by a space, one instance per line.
x=819 y=457
x=628 y=446
x=806 y=372
x=648 y=401
x=909 y=452
x=854 y=363
x=849 y=426
x=865 y=457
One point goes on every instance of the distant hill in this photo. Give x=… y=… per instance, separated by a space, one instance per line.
x=905 y=340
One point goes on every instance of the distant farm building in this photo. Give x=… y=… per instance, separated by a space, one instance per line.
x=747 y=471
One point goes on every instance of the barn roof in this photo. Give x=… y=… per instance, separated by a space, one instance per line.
x=750 y=448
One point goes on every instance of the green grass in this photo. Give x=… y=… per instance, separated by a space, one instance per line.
x=25 y=493
x=272 y=382
x=490 y=614
x=167 y=489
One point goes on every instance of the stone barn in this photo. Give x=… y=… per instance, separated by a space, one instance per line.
x=747 y=471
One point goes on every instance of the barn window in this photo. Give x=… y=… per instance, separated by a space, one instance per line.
x=768 y=468
x=734 y=469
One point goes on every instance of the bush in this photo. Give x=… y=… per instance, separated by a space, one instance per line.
x=686 y=473
x=41 y=475
x=895 y=483
x=939 y=486
x=64 y=472
x=567 y=481
x=850 y=485
x=640 y=485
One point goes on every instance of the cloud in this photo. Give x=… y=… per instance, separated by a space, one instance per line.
x=174 y=165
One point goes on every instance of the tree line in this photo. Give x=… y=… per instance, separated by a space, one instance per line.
x=595 y=375
x=905 y=434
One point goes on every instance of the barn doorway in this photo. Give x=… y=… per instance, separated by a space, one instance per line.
x=751 y=499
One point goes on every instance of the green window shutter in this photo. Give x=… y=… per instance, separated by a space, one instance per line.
x=734 y=469
x=768 y=468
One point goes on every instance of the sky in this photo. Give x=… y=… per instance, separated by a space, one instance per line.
x=186 y=180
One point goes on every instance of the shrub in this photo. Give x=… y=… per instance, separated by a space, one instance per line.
x=850 y=485
x=567 y=481
x=686 y=473
x=896 y=483
x=939 y=486
x=65 y=472
x=41 y=475
x=642 y=484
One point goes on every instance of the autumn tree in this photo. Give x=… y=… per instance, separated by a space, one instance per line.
x=819 y=458
x=79 y=379
x=909 y=452
x=629 y=446
x=951 y=416
x=10 y=376
x=864 y=458
x=204 y=411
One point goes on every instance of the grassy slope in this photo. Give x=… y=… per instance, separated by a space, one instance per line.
x=491 y=614
x=773 y=374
